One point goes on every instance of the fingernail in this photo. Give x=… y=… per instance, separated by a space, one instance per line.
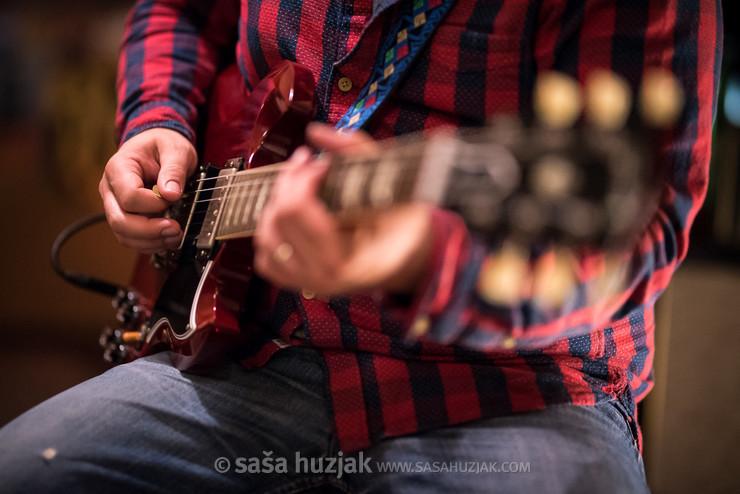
x=172 y=186
x=171 y=231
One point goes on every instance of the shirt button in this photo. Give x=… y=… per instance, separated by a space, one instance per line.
x=308 y=294
x=345 y=84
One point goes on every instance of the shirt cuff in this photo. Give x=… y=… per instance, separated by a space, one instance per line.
x=156 y=116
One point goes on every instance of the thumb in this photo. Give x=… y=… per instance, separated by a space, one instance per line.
x=176 y=165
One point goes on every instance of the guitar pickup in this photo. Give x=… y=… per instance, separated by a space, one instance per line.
x=206 y=239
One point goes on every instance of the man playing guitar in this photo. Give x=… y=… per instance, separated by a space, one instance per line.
x=383 y=338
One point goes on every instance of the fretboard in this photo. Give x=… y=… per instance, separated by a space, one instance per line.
x=352 y=185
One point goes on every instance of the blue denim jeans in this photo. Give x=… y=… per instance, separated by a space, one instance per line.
x=147 y=427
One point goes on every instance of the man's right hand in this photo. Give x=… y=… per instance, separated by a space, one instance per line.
x=133 y=210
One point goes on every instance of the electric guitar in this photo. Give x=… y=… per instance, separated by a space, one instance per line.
x=566 y=180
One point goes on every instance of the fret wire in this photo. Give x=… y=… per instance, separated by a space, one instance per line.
x=265 y=187
x=337 y=171
x=246 y=212
x=239 y=206
x=367 y=172
x=405 y=172
x=372 y=168
x=352 y=190
x=228 y=206
x=238 y=203
x=341 y=179
x=384 y=185
x=250 y=188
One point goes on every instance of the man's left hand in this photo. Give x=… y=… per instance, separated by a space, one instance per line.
x=299 y=244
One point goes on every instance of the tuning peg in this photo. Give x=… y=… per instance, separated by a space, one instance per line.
x=608 y=100
x=557 y=100
x=554 y=177
x=611 y=281
x=554 y=278
x=661 y=98
x=504 y=275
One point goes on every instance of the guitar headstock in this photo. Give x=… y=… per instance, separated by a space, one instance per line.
x=583 y=174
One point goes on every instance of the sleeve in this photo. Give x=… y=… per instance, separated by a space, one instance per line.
x=576 y=37
x=171 y=52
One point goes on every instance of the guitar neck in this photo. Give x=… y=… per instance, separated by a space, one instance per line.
x=353 y=184
x=580 y=186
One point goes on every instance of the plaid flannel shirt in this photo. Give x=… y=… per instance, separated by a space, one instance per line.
x=477 y=359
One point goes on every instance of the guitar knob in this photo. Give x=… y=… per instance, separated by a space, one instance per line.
x=108 y=336
x=114 y=349
x=557 y=100
x=504 y=276
x=128 y=314
x=123 y=298
x=661 y=98
x=554 y=177
x=554 y=278
x=115 y=354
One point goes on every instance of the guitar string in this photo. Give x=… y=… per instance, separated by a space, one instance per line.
x=271 y=180
x=400 y=144
x=277 y=167
x=242 y=177
x=266 y=177
x=256 y=191
x=405 y=173
x=408 y=143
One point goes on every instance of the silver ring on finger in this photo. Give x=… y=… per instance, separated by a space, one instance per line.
x=283 y=252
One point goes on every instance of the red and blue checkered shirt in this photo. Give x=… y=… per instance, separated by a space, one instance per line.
x=477 y=359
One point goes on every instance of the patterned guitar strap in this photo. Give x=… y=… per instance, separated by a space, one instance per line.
x=399 y=50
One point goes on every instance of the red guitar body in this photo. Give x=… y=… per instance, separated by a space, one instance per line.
x=194 y=308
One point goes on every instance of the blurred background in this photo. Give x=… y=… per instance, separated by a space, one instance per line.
x=57 y=101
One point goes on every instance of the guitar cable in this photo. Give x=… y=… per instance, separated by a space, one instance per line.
x=78 y=279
